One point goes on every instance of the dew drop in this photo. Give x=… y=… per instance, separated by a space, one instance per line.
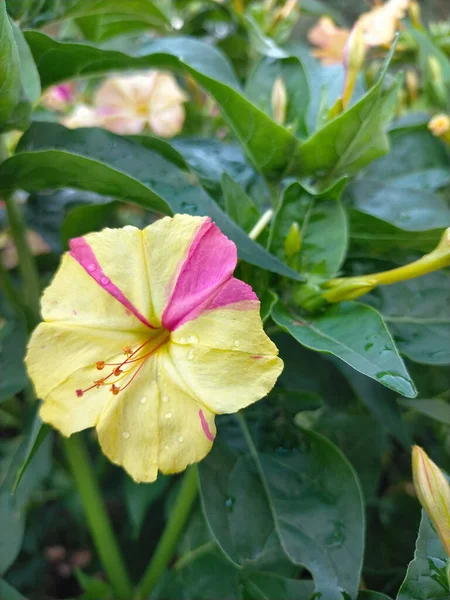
x=104 y=280
x=368 y=346
x=181 y=439
x=91 y=268
x=190 y=354
x=165 y=398
x=193 y=339
x=168 y=415
x=229 y=503
x=144 y=400
x=166 y=447
x=126 y=435
x=237 y=343
x=182 y=340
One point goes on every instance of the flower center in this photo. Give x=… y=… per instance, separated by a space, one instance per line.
x=120 y=374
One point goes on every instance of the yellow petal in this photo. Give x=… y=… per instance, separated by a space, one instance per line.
x=155 y=423
x=225 y=358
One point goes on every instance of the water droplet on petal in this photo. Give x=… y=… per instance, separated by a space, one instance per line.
x=166 y=447
x=168 y=415
x=190 y=354
x=165 y=398
x=104 y=280
x=144 y=400
x=237 y=343
x=126 y=435
x=181 y=439
x=193 y=339
x=91 y=268
x=182 y=340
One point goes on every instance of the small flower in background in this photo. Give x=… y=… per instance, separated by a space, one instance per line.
x=439 y=126
x=82 y=116
x=330 y=41
x=147 y=336
x=129 y=104
x=279 y=101
x=433 y=492
x=380 y=24
x=59 y=97
x=9 y=256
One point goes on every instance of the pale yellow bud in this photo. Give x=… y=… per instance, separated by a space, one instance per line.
x=412 y=84
x=415 y=15
x=348 y=289
x=293 y=241
x=279 y=101
x=439 y=126
x=433 y=492
x=435 y=67
x=354 y=55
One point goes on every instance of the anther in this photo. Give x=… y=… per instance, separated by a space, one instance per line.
x=100 y=365
x=99 y=382
x=127 y=350
x=114 y=389
x=79 y=393
x=117 y=371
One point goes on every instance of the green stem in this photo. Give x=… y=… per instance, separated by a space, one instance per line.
x=27 y=264
x=172 y=532
x=99 y=524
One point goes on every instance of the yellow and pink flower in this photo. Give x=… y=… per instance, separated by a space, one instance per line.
x=147 y=336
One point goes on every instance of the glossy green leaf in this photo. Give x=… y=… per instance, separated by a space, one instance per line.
x=270 y=147
x=426 y=578
x=402 y=188
x=140 y=497
x=86 y=218
x=268 y=586
x=355 y=333
x=9 y=69
x=369 y=595
x=319 y=253
x=7 y=592
x=308 y=500
x=13 y=339
x=418 y=314
x=99 y=161
x=238 y=206
x=434 y=408
x=35 y=437
x=353 y=139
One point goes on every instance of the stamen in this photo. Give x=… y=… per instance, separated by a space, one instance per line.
x=79 y=393
x=117 y=371
x=100 y=365
x=127 y=350
x=115 y=390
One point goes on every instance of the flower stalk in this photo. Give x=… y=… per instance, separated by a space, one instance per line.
x=261 y=224
x=167 y=544
x=349 y=288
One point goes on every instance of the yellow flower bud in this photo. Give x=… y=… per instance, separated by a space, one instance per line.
x=415 y=14
x=412 y=84
x=279 y=101
x=348 y=289
x=293 y=241
x=439 y=126
x=433 y=492
x=354 y=55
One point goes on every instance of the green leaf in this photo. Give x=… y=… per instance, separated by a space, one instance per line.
x=85 y=218
x=94 y=588
x=434 y=408
x=238 y=206
x=307 y=500
x=355 y=333
x=270 y=147
x=37 y=434
x=426 y=578
x=9 y=593
x=9 y=69
x=418 y=314
x=402 y=188
x=369 y=595
x=268 y=586
x=354 y=138
x=13 y=340
x=99 y=161
x=319 y=253
x=140 y=497
x=29 y=74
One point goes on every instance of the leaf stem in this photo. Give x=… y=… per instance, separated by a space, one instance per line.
x=97 y=518
x=261 y=224
x=172 y=532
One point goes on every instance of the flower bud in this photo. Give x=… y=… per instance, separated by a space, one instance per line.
x=348 y=289
x=293 y=240
x=439 y=126
x=354 y=55
x=412 y=85
x=279 y=101
x=433 y=492
x=415 y=15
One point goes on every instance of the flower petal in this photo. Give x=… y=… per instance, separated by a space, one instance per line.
x=102 y=282
x=155 y=424
x=225 y=358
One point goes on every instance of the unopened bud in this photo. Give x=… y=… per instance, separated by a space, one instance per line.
x=412 y=85
x=279 y=101
x=415 y=15
x=436 y=81
x=354 y=55
x=440 y=127
x=433 y=492
x=348 y=289
x=293 y=241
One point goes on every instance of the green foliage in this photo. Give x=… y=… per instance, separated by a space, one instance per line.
x=307 y=494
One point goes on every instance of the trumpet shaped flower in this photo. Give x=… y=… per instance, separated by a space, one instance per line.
x=147 y=336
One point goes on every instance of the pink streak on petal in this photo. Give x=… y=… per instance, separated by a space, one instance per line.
x=209 y=265
x=84 y=255
x=233 y=291
x=205 y=426
x=63 y=92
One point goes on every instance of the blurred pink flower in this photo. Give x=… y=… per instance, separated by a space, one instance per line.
x=82 y=116
x=59 y=97
x=330 y=41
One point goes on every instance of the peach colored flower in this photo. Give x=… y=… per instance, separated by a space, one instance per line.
x=330 y=41
x=82 y=116
x=130 y=103
x=380 y=24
